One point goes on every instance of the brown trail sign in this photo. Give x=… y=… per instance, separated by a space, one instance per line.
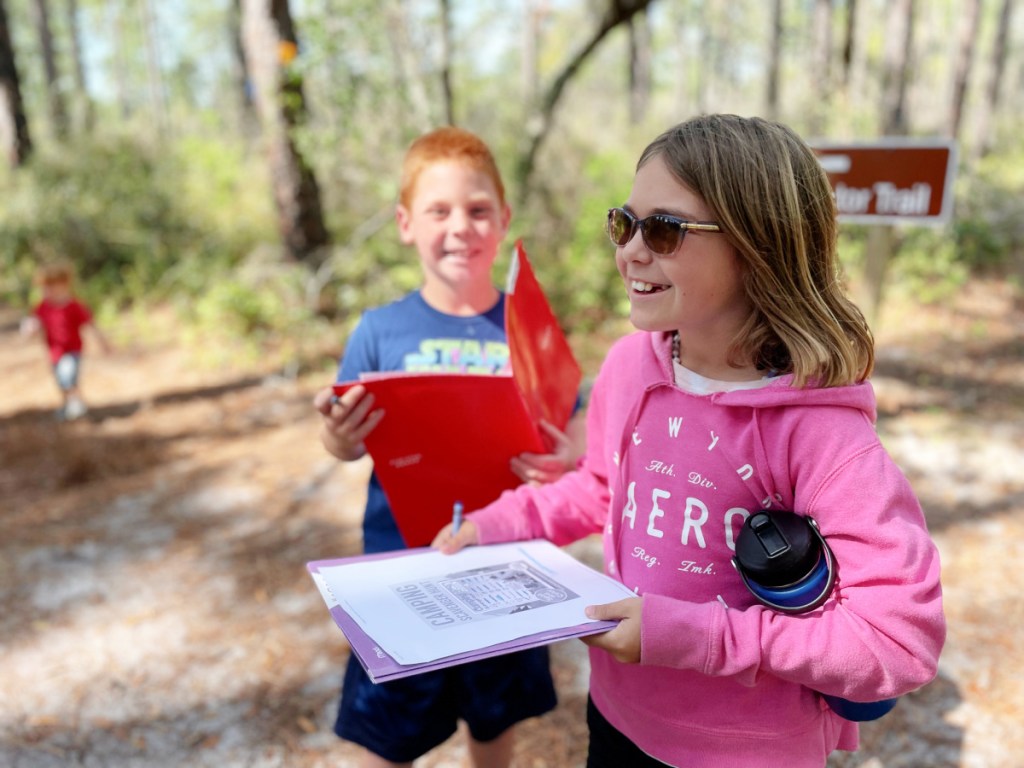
x=892 y=180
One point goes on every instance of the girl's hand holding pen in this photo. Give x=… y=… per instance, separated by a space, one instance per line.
x=622 y=642
x=346 y=420
x=449 y=542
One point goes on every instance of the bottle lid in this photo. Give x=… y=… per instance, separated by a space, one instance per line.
x=777 y=549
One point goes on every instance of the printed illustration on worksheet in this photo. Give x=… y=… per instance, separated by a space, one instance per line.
x=456 y=599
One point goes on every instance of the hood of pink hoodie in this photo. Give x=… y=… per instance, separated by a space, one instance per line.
x=769 y=422
x=779 y=392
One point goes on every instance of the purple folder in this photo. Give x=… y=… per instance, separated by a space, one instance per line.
x=380 y=667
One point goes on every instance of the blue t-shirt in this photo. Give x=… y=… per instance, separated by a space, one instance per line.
x=410 y=335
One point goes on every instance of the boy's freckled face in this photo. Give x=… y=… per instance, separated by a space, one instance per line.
x=456 y=221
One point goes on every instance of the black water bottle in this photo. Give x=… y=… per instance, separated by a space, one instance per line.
x=787 y=565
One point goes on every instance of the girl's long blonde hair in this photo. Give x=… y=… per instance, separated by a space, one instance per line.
x=774 y=202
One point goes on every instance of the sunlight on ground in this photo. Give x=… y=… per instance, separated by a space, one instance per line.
x=156 y=608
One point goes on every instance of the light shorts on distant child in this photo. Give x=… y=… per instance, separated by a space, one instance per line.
x=66 y=370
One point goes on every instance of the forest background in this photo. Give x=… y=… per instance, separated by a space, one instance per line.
x=223 y=175
x=238 y=160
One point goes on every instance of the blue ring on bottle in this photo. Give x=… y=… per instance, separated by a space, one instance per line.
x=859 y=711
x=805 y=595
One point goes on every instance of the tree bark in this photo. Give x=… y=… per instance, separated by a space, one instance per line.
x=639 y=66
x=14 y=133
x=83 y=97
x=821 y=66
x=248 y=120
x=407 y=66
x=446 y=62
x=849 y=41
x=534 y=12
x=154 y=69
x=883 y=240
x=117 y=22
x=270 y=46
x=967 y=42
x=990 y=106
x=772 y=95
x=55 y=96
x=855 y=58
x=898 y=47
x=539 y=125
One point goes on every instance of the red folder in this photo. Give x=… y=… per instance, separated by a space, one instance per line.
x=448 y=438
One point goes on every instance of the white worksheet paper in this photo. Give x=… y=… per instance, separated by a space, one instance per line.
x=429 y=606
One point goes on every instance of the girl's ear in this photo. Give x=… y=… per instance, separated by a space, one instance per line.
x=404 y=220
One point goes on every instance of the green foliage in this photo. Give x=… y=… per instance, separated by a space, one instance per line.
x=185 y=219
x=929 y=266
x=375 y=272
x=585 y=286
x=989 y=226
x=135 y=222
x=252 y=311
x=926 y=263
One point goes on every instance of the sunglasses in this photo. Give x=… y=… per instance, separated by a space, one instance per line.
x=662 y=234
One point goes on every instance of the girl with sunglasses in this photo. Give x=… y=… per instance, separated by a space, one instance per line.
x=745 y=388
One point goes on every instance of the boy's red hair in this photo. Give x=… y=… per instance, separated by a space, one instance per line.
x=448 y=143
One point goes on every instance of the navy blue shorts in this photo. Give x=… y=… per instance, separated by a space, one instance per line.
x=403 y=719
x=609 y=747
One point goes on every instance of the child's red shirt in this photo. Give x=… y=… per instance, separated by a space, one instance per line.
x=62 y=324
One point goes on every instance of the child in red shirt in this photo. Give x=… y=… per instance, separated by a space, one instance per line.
x=62 y=318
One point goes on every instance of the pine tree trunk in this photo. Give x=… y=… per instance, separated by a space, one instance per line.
x=248 y=120
x=898 y=46
x=154 y=70
x=270 y=46
x=968 y=40
x=55 y=97
x=82 y=95
x=882 y=239
x=821 y=66
x=772 y=94
x=14 y=133
x=446 y=62
x=639 y=66
x=990 y=106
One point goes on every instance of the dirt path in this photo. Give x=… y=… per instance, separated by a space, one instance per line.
x=155 y=610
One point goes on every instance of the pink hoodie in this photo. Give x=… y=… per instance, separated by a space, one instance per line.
x=669 y=478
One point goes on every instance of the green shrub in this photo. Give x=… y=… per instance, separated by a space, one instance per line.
x=129 y=216
x=989 y=226
x=257 y=310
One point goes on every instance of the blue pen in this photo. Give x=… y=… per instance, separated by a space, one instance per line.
x=456 y=517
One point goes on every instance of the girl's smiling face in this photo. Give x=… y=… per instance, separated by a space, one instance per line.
x=698 y=290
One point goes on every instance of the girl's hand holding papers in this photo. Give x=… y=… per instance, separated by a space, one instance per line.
x=623 y=642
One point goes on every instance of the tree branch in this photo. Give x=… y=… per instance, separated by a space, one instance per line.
x=538 y=125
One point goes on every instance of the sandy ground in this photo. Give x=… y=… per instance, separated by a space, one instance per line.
x=155 y=609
